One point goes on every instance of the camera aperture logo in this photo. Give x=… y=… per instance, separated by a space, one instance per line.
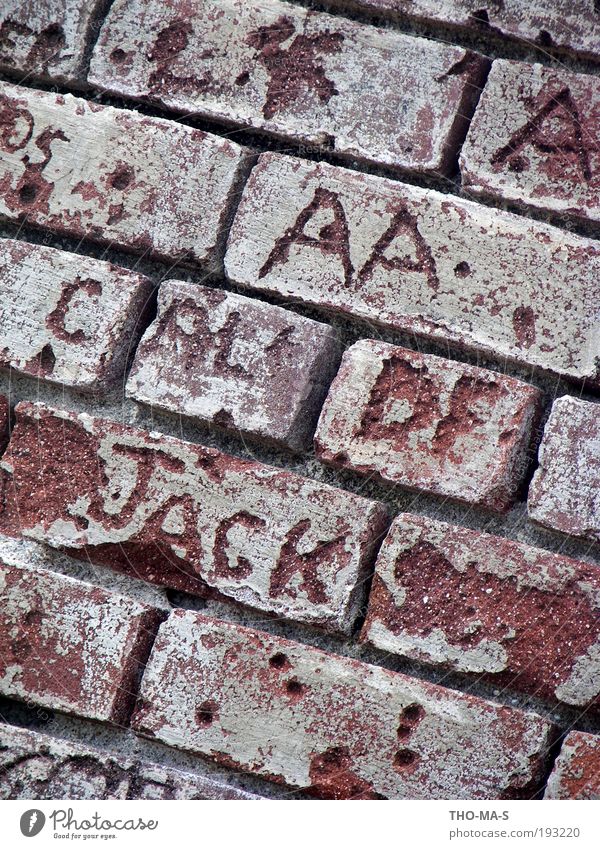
x=32 y=822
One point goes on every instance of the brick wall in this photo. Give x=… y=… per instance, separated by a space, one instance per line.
x=299 y=386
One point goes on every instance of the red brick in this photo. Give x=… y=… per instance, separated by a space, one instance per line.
x=472 y=602
x=427 y=423
x=115 y=176
x=235 y=362
x=69 y=646
x=73 y=320
x=296 y=74
x=331 y=725
x=189 y=517
x=570 y=25
x=535 y=140
x=4 y=422
x=576 y=773
x=35 y=766
x=419 y=261
x=46 y=38
x=565 y=491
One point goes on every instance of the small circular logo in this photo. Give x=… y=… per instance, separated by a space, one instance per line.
x=32 y=822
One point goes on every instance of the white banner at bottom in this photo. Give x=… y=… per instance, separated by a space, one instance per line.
x=290 y=824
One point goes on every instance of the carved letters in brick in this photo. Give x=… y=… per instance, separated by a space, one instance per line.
x=327 y=215
x=189 y=517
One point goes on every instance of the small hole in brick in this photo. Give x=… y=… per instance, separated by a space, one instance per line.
x=462 y=269
x=294 y=688
x=278 y=661
x=404 y=732
x=544 y=38
x=28 y=193
x=481 y=17
x=405 y=758
x=53 y=36
x=121 y=178
x=47 y=359
x=413 y=713
x=118 y=56
x=206 y=714
x=243 y=78
x=517 y=164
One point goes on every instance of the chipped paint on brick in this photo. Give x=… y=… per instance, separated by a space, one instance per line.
x=576 y=772
x=534 y=140
x=36 y=766
x=565 y=491
x=72 y=320
x=333 y=726
x=295 y=74
x=239 y=363
x=70 y=646
x=189 y=517
x=114 y=176
x=521 y=617
x=569 y=25
x=46 y=39
x=419 y=261
x=428 y=423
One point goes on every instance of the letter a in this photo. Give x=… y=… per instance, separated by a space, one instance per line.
x=562 y=106
x=402 y=224
x=332 y=239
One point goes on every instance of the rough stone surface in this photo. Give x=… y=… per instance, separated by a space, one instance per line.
x=68 y=318
x=565 y=491
x=4 y=421
x=576 y=773
x=571 y=25
x=70 y=646
x=236 y=362
x=535 y=140
x=115 y=176
x=46 y=38
x=420 y=261
x=429 y=424
x=294 y=73
x=36 y=766
x=189 y=517
x=336 y=726
x=476 y=603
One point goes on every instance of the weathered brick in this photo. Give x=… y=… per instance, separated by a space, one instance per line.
x=535 y=140
x=236 y=362
x=565 y=491
x=429 y=424
x=419 y=261
x=47 y=38
x=189 y=517
x=335 y=726
x=570 y=25
x=576 y=773
x=296 y=74
x=476 y=603
x=115 y=176
x=72 y=319
x=36 y=766
x=4 y=421
x=69 y=646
